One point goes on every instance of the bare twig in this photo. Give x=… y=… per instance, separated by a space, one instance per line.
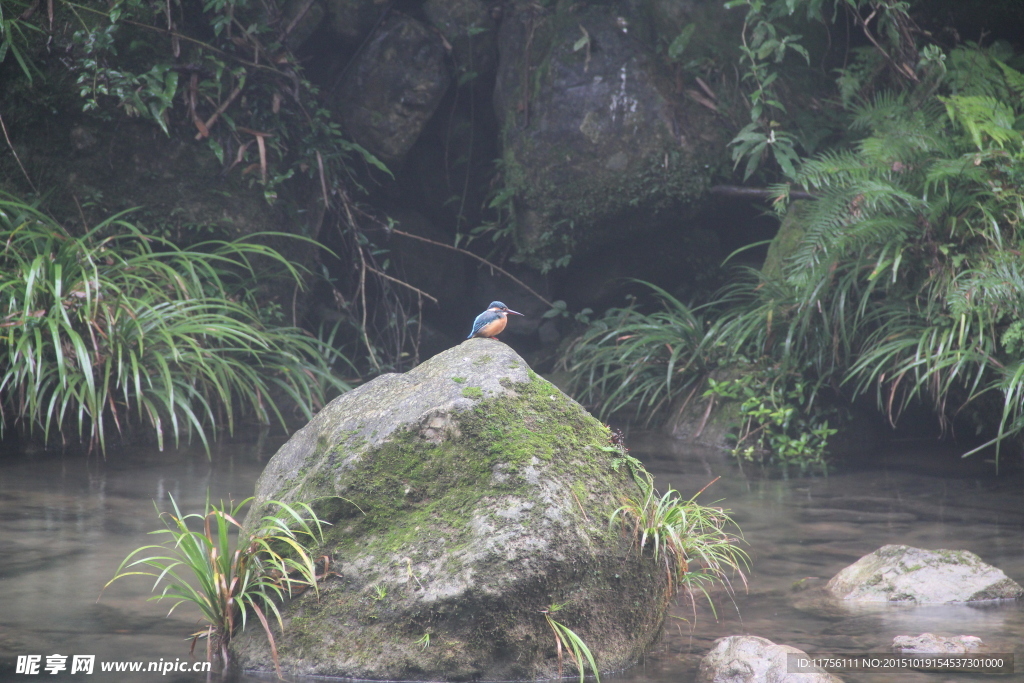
x=346 y=203
x=756 y=192
x=362 y=298
x=419 y=292
x=323 y=178
x=16 y=158
x=478 y=258
x=298 y=17
x=902 y=68
x=220 y=110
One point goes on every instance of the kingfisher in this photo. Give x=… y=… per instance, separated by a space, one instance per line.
x=491 y=322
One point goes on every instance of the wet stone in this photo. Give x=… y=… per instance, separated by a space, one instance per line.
x=900 y=573
x=929 y=643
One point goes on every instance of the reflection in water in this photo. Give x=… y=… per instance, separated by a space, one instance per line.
x=66 y=522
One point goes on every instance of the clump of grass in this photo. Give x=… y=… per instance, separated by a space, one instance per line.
x=115 y=327
x=689 y=539
x=228 y=586
x=567 y=639
x=629 y=359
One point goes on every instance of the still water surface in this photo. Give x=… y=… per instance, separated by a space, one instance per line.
x=66 y=522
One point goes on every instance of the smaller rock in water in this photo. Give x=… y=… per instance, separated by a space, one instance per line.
x=750 y=659
x=901 y=573
x=929 y=643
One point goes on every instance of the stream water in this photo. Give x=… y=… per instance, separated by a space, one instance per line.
x=66 y=522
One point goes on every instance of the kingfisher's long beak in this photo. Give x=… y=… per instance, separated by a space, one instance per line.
x=509 y=310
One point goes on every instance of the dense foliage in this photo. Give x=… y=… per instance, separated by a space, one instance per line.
x=221 y=69
x=904 y=276
x=114 y=327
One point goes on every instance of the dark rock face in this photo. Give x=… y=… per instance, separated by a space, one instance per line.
x=466 y=496
x=352 y=20
x=750 y=659
x=470 y=27
x=394 y=86
x=900 y=573
x=589 y=137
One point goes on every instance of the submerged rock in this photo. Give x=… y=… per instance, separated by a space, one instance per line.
x=929 y=643
x=900 y=573
x=466 y=496
x=750 y=659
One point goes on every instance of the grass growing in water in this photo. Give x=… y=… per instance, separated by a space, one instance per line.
x=114 y=327
x=566 y=638
x=689 y=539
x=228 y=585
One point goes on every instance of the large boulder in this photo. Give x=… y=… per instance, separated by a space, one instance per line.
x=596 y=141
x=393 y=86
x=466 y=496
x=750 y=659
x=901 y=573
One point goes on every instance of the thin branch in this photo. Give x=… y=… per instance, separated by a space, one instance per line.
x=180 y=36
x=16 y=158
x=418 y=291
x=756 y=192
x=298 y=17
x=345 y=202
x=220 y=110
x=478 y=258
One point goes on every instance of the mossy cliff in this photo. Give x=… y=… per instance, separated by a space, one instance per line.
x=466 y=496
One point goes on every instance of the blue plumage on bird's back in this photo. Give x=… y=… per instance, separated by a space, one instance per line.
x=491 y=322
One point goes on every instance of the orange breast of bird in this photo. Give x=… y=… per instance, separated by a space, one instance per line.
x=492 y=329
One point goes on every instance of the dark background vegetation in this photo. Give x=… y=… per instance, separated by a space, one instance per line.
x=436 y=156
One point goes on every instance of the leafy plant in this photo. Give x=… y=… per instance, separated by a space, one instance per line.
x=690 y=540
x=116 y=327
x=15 y=35
x=228 y=585
x=560 y=310
x=778 y=419
x=764 y=46
x=643 y=361
x=567 y=639
x=907 y=278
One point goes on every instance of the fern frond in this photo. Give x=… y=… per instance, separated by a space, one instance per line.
x=984 y=118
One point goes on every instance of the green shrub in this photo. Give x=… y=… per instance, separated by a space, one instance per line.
x=779 y=419
x=114 y=327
